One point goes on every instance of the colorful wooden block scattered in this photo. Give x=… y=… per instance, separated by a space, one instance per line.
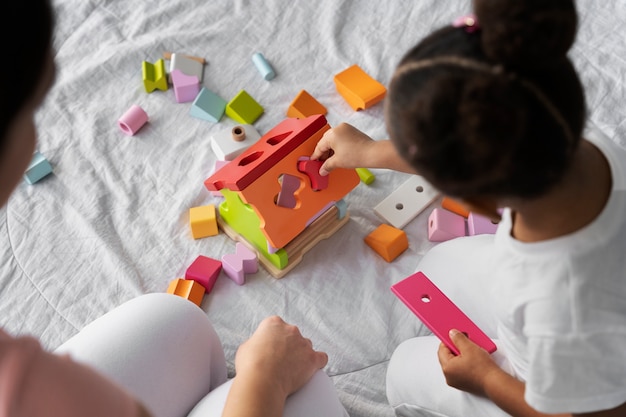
x=205 y=271
x=406 y=202
x=242 y=262
x=186 y=87
x=358 y=88
x=203 y=221
x=189 y=289
x=305 y=105
x=187 y=65
x=445 y=225
x=132 y=120
x=38 y=168
x=263 y=66
x=228 y=145
x=480 y=225
x=243 y=108
x=208 y=106
x=154 y=76
x=454 y=206
x=388 y=241
x=365 y=175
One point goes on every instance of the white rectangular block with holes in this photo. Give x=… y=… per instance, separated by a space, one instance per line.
x=226 y=147
x=406 y=202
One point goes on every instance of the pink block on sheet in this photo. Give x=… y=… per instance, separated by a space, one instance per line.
x=438 y=312
x=444 y=225
x=204 y=271
x=480 y=225
x=243 y=262
x=186 y=87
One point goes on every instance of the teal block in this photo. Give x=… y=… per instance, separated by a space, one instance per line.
x=243 y=108
x=38 y=168
x=208 y=106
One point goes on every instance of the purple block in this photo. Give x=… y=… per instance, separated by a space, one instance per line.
x=186 y=87
x=480 y=225
x=444 y=225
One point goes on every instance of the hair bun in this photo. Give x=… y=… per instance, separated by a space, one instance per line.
x=526 y=34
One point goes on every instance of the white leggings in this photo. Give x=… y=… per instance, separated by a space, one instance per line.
x=415 y=383
x=164 y=350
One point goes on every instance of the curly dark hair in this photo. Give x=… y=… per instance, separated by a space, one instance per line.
x=27 y=36
x=494 y=112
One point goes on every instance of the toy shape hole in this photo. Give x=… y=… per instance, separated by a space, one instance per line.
x=250 y=158
x=286 y=197
x=399 y=206
x=419 y=189
x=425 y=298
x=275 y=140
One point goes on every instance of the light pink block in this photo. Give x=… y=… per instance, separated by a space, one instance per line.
x=133 y=120
x=204 y=271
x=444 y=225
x=480 y=225
x=186 y=87
x=243 y=262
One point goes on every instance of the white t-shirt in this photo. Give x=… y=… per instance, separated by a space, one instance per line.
x=561 y=305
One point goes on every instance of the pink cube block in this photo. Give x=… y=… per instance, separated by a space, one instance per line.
x=444 y=225
x=204 y=271
x=480 y=225
x=186 y=87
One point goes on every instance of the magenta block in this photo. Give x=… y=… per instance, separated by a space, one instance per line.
x=444 y=225
x=480 y=225
x=132 y=120
x=186 y=87
x=243 y=262
x=204 y=271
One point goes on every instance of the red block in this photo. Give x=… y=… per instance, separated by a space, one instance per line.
x=204 y=271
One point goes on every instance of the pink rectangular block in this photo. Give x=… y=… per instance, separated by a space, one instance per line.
x=204 y=271
x=186 y=87
x=444 y=225
x=480 y=225
x=438 y=312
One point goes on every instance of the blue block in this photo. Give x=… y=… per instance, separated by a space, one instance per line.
x=38 y=168
x=208 y=106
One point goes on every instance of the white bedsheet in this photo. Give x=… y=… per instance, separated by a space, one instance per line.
x=111 y=223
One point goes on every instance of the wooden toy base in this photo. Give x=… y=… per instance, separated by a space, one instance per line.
x=322 y=228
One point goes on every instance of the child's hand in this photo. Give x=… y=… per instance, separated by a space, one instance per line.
x=343 y=147
x=279 y=355
x=470 y=369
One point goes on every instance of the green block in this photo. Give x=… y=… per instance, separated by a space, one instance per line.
x=365 y=175
x=242 y=218
x=154 y=76
x=243 y=108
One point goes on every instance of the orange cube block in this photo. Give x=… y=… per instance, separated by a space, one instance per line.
x=186 y=288
x=358 y=88
x=203 y=221
x=305 y=105
x=455 y=207
x=388 y=241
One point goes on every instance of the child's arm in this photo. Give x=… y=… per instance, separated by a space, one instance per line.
x=475 y=371
x=274 y=363
x=347 y=147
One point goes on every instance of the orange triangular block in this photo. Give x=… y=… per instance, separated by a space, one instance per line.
x=388 y=241
x=305 y=105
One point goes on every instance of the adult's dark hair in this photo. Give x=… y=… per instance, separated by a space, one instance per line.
x=27 y=36
x=496 y=111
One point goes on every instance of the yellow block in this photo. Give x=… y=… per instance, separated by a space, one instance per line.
x=203 y=221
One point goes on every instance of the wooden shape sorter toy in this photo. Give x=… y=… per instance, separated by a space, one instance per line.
x=252 y=182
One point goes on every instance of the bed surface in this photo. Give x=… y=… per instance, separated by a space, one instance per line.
x=111 y=222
